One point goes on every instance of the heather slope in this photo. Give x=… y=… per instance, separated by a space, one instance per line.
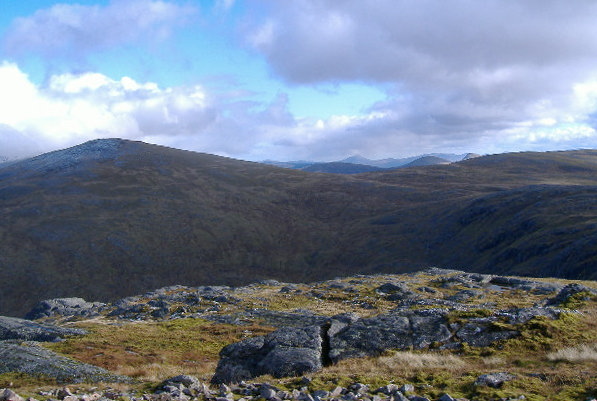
x=111 y=217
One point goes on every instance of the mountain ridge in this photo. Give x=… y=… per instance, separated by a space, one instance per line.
x=388 y=163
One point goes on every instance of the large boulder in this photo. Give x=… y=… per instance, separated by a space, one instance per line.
x=286 y=352
x=32 y=359
x=12 y=328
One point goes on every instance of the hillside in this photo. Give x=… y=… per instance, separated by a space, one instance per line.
x=111 y=217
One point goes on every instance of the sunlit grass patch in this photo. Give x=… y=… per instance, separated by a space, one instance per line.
x=582 y=352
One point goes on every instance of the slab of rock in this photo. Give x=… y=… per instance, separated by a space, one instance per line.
x=372 y=336
x=33 y=359
x=482 y=335
x=12 y=328
x=523 y=315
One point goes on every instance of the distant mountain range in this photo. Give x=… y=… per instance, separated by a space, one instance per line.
x=110 y=218
x=358 y=164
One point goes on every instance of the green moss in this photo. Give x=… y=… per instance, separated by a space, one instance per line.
x=579 y=300
x=460 y=316
x=437 y=383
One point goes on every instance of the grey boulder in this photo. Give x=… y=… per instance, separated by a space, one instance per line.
x=12 y=328
x=286 y=352
x=494 y=379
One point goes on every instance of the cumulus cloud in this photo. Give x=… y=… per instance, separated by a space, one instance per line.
x=73 y=108
x=73 y=30
x=454 y=71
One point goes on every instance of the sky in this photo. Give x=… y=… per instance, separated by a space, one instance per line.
x=316 y=80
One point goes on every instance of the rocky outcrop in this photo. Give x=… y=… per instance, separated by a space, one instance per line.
x=286 y=352
x=12 y=328
x=568 y=291
x=64 y=307
x=372 y=336
x=292 y=351
x=32 y=359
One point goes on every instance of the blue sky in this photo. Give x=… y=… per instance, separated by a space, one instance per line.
x=301 y=79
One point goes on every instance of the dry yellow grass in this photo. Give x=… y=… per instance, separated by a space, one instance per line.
x=583 y=352
x=398 y=364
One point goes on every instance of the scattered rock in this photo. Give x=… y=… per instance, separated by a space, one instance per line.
x=494 y=379
x=9 y=395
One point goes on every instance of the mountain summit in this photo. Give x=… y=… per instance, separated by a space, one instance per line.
x=113 y=217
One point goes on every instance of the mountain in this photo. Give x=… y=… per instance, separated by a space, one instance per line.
x=404 y=162
x=331 y=167
x=471 y=156
x=111 y=218
x=382 y=163
x=340 y=168
x=299 y=164
x=427 y=161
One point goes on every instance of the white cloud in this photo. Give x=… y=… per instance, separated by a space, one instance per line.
x=73 y=30
x=73 y=108
x=455 y=72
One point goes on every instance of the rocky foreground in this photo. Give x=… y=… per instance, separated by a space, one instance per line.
x=186 y=388
x=316 y=328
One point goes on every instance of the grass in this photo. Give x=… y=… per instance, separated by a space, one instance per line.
x=154 y=351
x=399 y=363
x=579 y=353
